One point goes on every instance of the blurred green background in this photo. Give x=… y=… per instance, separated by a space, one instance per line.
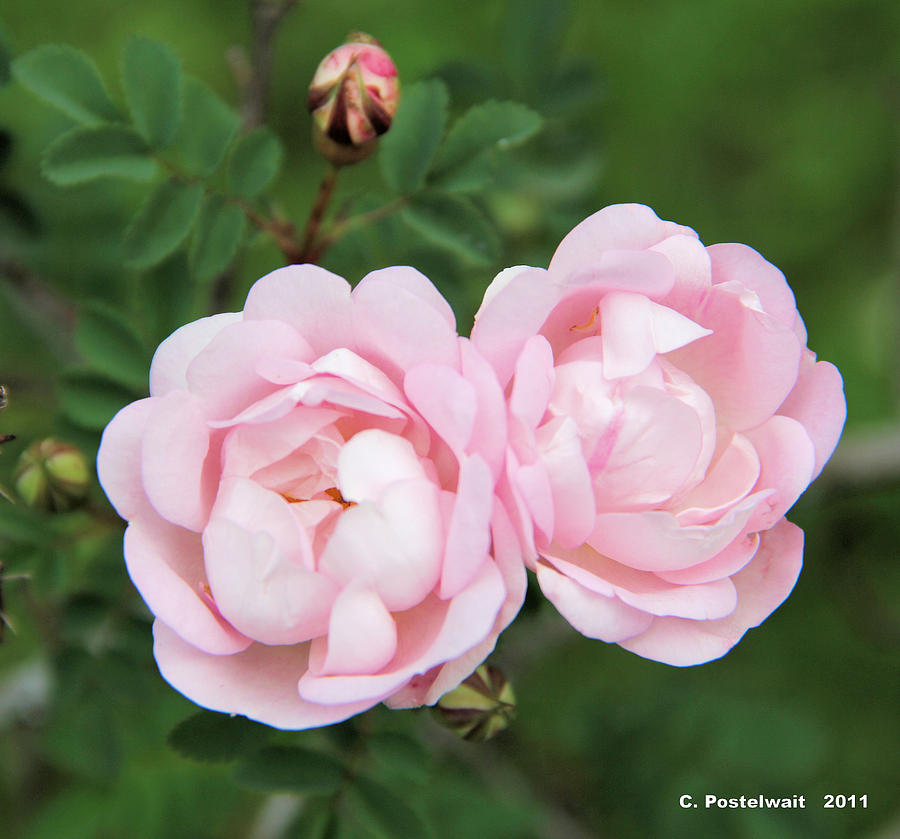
x=770 y=124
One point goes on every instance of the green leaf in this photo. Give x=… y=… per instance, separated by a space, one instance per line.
x=217 y=235
x=388 y=814
x=254 y=162
x=455 y=223
x=90 y=152
x=110 y=346
x=400 y=755
x=151 y=76
x=4 y=61
x=67 y=79
x=21 y=524
x=162 y=223
x=317 y=820
x=211 y=737
x=408 y=148
x=90 y=400
x=205 y=133
x=291 y=768
x=464 y=159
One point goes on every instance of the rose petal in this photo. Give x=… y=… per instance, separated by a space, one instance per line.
x=259 y=683
x=165 y=564
x=468 y=534
x=748 y=365
x=732 y=262
x=372 y=460
x=618 y=226
x=817 y=402
x=119 y=458
x=362 y=635
x=445 y=400
x=224 y=374
x=395 y=545
x=787 y=458
x=762 y=586
x=511 y=316
x=172 y=356
x=177 y=473
x=314 y=301
x=635 y=329
x=593 y=615
x=397 y=328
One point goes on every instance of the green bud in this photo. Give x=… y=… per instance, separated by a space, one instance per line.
x=481 y=707
x=52 y=476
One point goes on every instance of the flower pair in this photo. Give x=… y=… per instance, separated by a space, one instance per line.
x=333 y=497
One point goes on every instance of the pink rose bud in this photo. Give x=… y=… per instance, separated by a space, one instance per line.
x=52 y=476
x=353 y=98
x=311 y=491
x=664 y=414
x=481 y=707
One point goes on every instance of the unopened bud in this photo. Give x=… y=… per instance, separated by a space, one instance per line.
x=353 y=98
x=481 y=707
x=52 y=476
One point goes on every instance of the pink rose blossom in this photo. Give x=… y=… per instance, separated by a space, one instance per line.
x=310 y=496
x=664 y=414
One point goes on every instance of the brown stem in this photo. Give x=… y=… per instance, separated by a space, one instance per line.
x=267 y=16
x=308 y=246
x=345 y=226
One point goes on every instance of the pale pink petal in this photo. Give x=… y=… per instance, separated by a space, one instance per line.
x=165 y=564
x=569 y=479
x=511 y=317
x=224 y=374
x=576 y=316
x=342 y=394
x=622 y=226
x=416 y=283
x=817 y=401
x=283 y=371
x=259 y=683
x=446 y=401
x=354 y=369
x=732 y=262
x=508 y=559
x=179 y=479
x=655 y=541
x=362 y=635
x=654 y=453
x=593 y=615
x=731 y=477
x=314 y=301
x=489 y=434
x=762 y=586
x=532 y=484
x=372 y=460
x=250 y=447
x=468 y=534
x=434 y=632
x=395 y=546
x=172 y=356
x=635 y=329
x=119 y=458
x=728 y=561
x=787 y=457
x=256 y=568
x=748 y=365
x=533 y=382
x=642 y=589
x=397 y=328
x=693 y=272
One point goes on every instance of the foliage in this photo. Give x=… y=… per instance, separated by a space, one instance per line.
x=133 y=198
